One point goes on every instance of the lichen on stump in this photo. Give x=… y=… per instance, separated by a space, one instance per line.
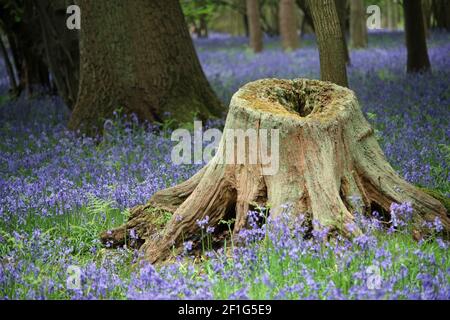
x=328 y=155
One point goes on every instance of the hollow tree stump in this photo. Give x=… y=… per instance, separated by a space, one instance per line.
x=328 y=154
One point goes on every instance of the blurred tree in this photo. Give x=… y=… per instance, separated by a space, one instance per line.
x=254 y=23
x=416 y=43
x=60 y=47
x=358 y=25
x=20 y=23
x=427 y=14
x=288 y=25
x=139 y=56
x=198 y=13
x=307 y=22
x=330 y=40
x=9 y=66
x=441 y=13
x=270 y=17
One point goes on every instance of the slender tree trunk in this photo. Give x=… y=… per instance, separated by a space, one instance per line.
x=331 y=41
x=302 y=23
x=61 y=48
x=288 y=25
x=139 y=56
x=254 y=24
x=358 y=26
x=275 y=14
x=341 y=7
x=25 y=39
x=441 y=13
x=302 y=4
x=395 y=14
x=328 y=155
x=390 y=14
x=416 y=43
x=246 y=26
x=426 y=8
x=9 y=67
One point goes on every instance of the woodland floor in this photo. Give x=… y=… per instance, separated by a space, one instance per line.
x=59 y=191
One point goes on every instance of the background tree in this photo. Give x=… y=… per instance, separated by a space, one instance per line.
x=330 y=39
x=254 y=24
x=308 y=22
x=441 y=14
x=20 y=23
x=427 y=15
x=288 y=25
x=9 y=65
x=60 y=47
x=139 y=56
x=198 y=14
x=416 y=43
x=358 y=25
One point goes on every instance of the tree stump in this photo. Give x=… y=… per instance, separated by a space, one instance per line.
x=328 y=154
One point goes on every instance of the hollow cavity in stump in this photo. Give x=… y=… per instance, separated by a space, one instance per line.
x=328 y=155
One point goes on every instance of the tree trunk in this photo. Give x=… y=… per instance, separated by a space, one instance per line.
x=416 y=43
x=441 y=13
x=302 y=4
x=288 y=25
x=426 y=9
x=341 y=7
x=395 y=14
x=25 y=39
x=246 y=26
x=331 y=41
x=275 y=18
x=203 y=27
x=138 y=56
x=390 y=14
x=9 y=67
x=328 y=154
x=358 y=27
x=61 y=48
x=254 y=25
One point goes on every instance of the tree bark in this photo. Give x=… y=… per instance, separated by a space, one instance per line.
x=331 y=41
x=416 y=43
x=358 y=27
x=254 y=25
x=341 y=7
x=327 y=154
x=138 y=56
x=288 y=25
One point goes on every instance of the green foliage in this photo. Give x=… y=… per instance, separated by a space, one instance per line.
x=196 y=10
x=15 y=9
